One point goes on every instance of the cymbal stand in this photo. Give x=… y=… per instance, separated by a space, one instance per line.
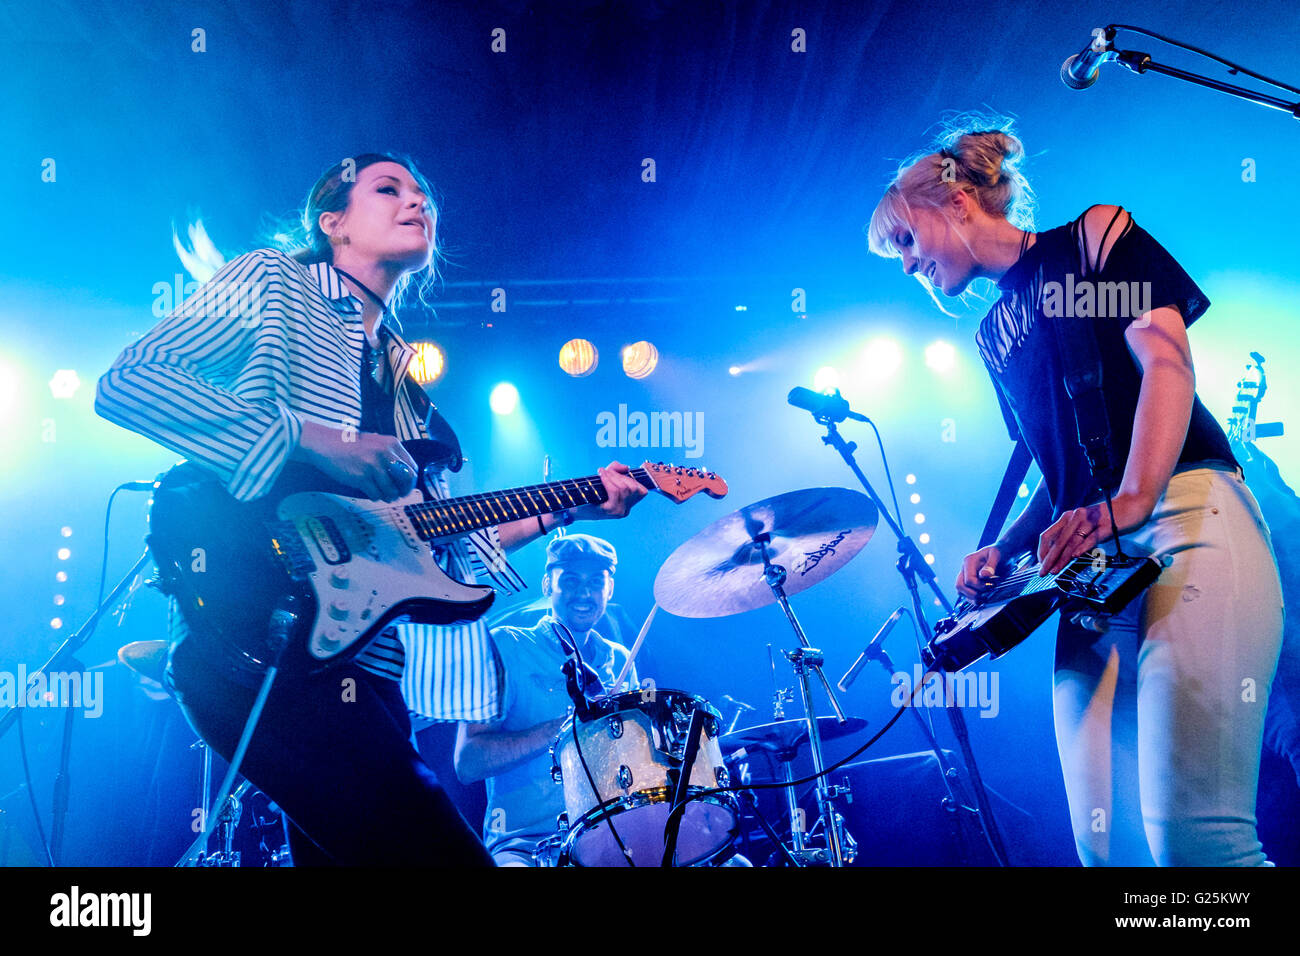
x=283 y=620
x=805 y=659
x=205 y=794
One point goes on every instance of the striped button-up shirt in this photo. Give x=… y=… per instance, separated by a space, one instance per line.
x=227 y=378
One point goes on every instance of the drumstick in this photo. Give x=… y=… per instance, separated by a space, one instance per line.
x=636 y=648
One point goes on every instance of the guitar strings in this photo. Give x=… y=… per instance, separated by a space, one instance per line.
x=1067 y=575
x=424 y=507
x=429 y=508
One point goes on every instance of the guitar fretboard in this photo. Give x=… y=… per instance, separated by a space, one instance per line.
x=456 y=516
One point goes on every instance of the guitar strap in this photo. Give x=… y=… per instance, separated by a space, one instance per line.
x=1077 y=345
x=437 y=427
x=1017 y=468
x=1076 y=341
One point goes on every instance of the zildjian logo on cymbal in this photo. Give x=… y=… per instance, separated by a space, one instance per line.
x=811 y=559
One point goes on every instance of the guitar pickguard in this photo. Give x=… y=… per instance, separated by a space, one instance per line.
x=369 y=568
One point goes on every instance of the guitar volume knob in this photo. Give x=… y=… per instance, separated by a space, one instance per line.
x=338 y=611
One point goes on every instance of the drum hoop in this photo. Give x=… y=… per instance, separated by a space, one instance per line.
x=608 y=706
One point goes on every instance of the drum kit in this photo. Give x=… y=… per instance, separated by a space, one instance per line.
x=647 y=775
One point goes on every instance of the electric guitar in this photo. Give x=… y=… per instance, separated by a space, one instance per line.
x=319 y=569
x=1013 y=608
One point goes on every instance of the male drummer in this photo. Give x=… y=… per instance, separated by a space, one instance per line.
x=513 y=754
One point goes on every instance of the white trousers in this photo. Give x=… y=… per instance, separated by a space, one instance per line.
x=1159 y=720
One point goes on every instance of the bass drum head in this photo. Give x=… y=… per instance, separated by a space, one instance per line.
x=708 y=827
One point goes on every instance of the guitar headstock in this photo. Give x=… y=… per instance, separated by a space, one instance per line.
x=680 y=483
x=1250 y=392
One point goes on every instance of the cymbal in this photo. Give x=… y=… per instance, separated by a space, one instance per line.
x=146 y=658
x=812 y=534
x=542 y=603
x=786 y=736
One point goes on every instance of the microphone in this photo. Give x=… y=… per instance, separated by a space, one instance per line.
x=1081 y=70
x=831 y=407
x=138 y=485
x=739 y=707
x=149 y=485
x=580 y=681
x=738 y=704
x=871 y=650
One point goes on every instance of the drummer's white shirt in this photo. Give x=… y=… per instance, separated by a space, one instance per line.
x=524 y=802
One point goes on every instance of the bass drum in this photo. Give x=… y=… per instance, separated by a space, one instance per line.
x=615 y=765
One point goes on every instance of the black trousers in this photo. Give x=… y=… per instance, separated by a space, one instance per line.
x=334 y=751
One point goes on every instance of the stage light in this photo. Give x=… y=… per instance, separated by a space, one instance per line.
x=940 y=356
x=56 y=622
x=880 y=359
x=640 y=359
x=916 y=499
x=925 y=537
x=826 y=379
x=58 y=600
x=742 y=308
x=910 y=479
x=929 y=559
x=428 y=363
x=578 y=357
x=504 y=399
x=734 y=370
x=66 y=531
x=61 y=576
x=1024 y=491
x=64 y=554
x=65 y=383
x=920 y=518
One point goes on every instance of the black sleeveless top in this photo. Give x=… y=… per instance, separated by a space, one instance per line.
x=377 y=411
x=1020 y=350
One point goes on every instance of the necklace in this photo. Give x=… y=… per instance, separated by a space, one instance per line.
x=372 y=355
x=366 y=289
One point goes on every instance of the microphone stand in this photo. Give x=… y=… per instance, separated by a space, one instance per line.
x=1141 y=63
x=61 y=658
x=911 y=565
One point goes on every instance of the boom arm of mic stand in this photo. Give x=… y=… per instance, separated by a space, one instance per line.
x=78 y=640
x=1141 y=62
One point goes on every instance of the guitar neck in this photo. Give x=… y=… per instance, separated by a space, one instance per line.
x=451 y=517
